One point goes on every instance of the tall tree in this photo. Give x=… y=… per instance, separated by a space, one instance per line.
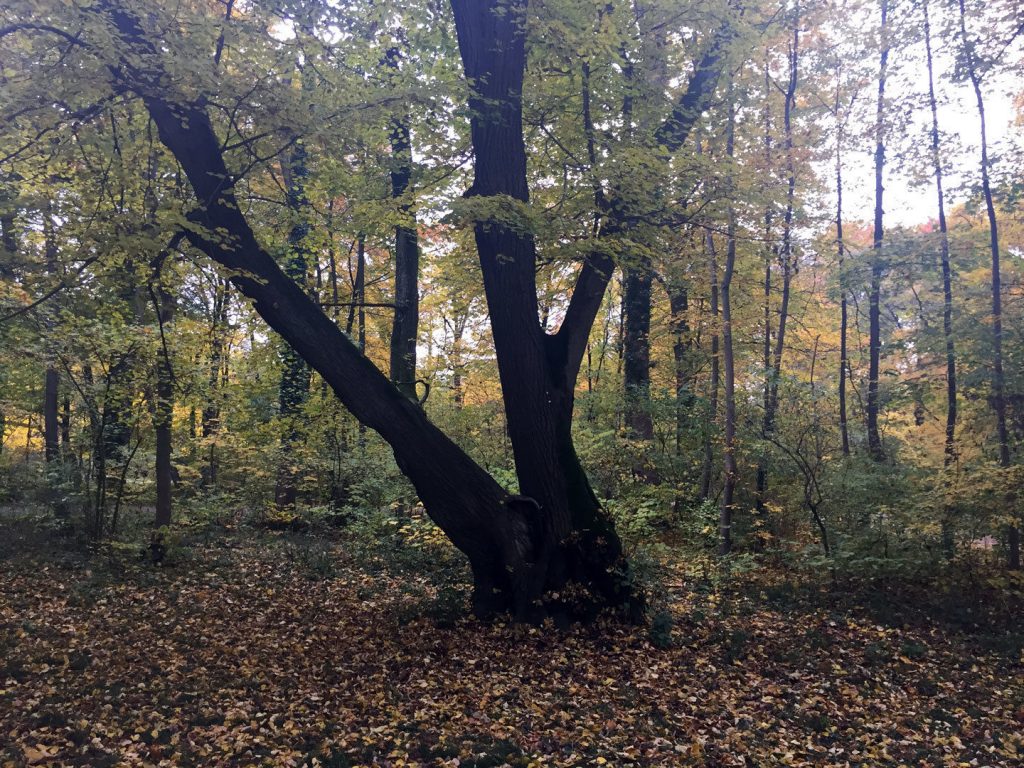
x=405 y=327
x=293 y=390
x=714 y=382
x=51 y=393
x=877 y=256
x=787 y=263
x=728 y=353
x=844 y=362
x=949 y=452
x=972 y=65
x=163 y=409
x=521 y=548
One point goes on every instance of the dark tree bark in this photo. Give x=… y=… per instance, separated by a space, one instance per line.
x=65 y=427
x=573 y=535
x=636 y=350
x=949 y=458
x=877 y=265
x=51 y=394
x=163 y=410
x=8 y=248
x=519 y=547
x=998 y=376
x=210 y=417
x=679 y=307
x=637 y=279
x=405 y=327
x=707 y=471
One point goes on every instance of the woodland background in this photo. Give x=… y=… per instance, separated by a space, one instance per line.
x=800 y=406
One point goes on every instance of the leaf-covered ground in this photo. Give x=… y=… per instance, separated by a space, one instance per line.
x=246 y=657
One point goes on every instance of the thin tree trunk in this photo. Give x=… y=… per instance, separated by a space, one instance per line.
x=51 y=395
x=210 y=423
x=405 y=328
x=844 y=362
x=637 y=279
x=293 y=389
x=679 y=306
x=998 y=377
x=947 y=294
x=163 y=409
x=877 y=267
x=636 y=360
x=728 y=359
x=707 y=471
x=774 y=367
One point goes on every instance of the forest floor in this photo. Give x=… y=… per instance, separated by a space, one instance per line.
x=251 y=652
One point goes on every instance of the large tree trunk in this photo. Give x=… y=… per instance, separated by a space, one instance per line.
x=519 y=547
x=573 y=539
x=874 y=299
x=508 y=540
x=998 y=377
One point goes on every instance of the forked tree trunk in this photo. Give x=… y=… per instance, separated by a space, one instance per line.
x=520 y=548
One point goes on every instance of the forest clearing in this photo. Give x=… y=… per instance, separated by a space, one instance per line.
x=511 y=382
